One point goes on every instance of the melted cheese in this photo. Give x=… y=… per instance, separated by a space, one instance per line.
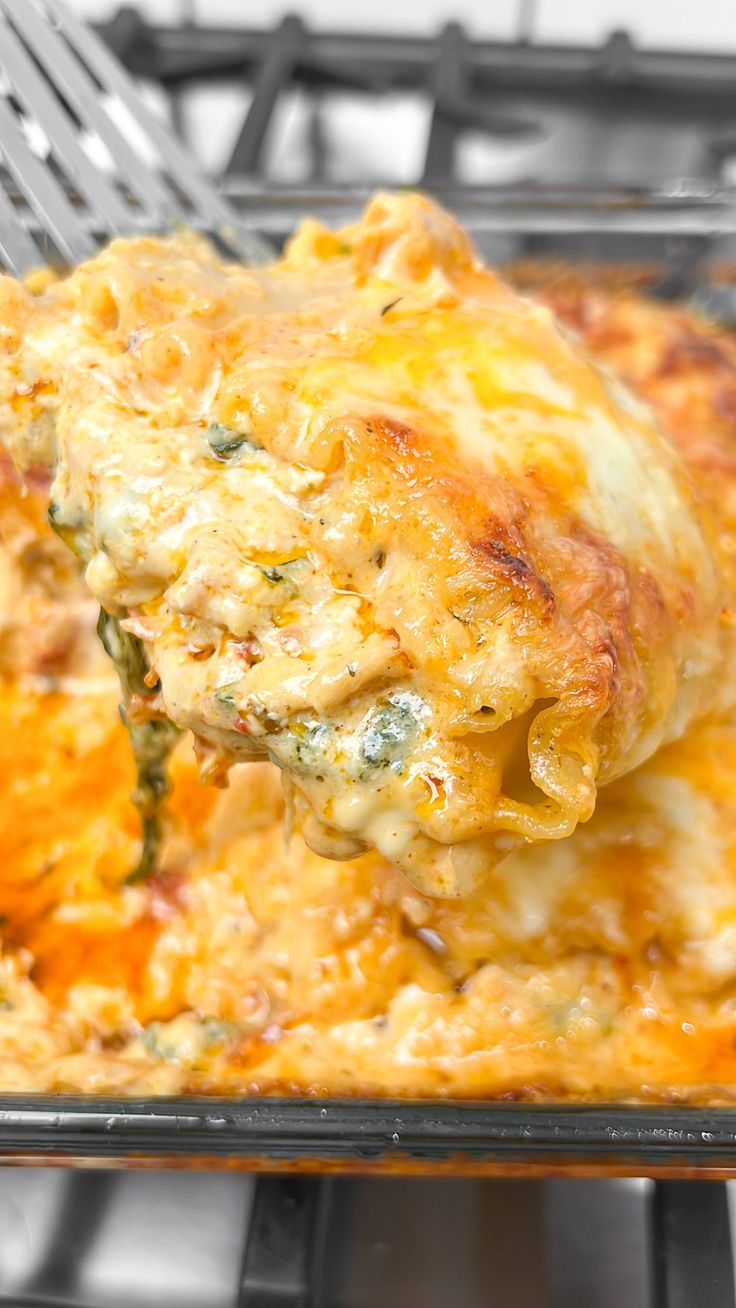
x=597 y=967
x=377 y=519
x=602 y=966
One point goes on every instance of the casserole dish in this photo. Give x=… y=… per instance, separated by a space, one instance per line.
x=682 y=239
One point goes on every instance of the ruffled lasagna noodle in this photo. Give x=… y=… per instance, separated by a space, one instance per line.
x=377 y=518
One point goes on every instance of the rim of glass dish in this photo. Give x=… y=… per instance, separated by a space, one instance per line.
x=369 y=1133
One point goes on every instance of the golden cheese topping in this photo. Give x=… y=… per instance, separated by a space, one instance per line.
x=599 y=967
x=376 y=518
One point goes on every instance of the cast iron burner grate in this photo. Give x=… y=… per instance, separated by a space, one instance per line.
x=329 y=1242
x=611 y=112
x=290 y=1248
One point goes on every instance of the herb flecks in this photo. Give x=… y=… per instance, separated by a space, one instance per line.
x=305 y=745
x=225 y=694
x=391 y=305
x=226 y=443
x=275 y=572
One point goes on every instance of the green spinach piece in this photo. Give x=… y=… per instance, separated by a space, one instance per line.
x=391 y=727
x=151 y=742
x=226 y=443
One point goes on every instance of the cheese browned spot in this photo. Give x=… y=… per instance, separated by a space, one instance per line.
x=375 y=517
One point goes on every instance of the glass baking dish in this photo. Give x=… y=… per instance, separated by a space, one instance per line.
x=683 y=237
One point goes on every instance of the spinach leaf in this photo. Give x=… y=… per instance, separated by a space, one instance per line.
x=275 y=573
x=225 y=443
x=391 y=726
x=151 y=742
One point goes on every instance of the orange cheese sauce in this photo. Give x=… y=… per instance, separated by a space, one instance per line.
x=246 y=964
x=605 y=966
x=601 y=966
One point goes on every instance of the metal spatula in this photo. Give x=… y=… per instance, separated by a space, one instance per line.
x=87 y=158
x=62 y=92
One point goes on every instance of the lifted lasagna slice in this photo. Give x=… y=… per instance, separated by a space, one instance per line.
x=374 y=516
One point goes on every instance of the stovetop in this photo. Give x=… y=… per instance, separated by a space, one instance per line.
x=105 y=1239
x=293 y=105
x=138 y=1239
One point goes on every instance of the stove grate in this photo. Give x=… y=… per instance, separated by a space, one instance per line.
x=294 y=1241
x=508 y=92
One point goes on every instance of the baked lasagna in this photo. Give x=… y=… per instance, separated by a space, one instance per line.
x=374 y=516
